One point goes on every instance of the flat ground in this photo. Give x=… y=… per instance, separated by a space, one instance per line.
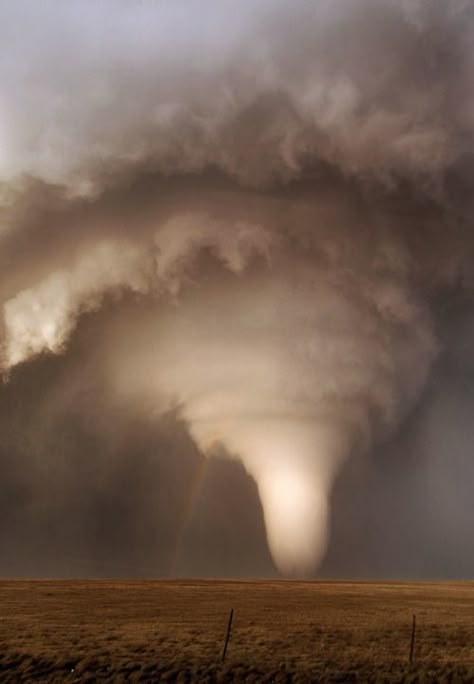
x=149 y=631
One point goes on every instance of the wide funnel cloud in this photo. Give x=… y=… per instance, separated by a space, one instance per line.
x=280 y=190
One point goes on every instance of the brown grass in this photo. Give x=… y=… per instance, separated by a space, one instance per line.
x=149 y=631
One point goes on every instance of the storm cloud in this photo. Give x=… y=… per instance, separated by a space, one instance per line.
x=252 y=226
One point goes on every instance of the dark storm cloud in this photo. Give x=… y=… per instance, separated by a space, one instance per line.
x=276 y=202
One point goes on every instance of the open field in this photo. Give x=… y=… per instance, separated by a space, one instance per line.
x=146 y=631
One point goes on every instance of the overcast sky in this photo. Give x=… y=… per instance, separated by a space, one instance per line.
x=236 y=288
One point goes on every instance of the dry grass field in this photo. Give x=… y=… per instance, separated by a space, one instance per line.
x=153 y=631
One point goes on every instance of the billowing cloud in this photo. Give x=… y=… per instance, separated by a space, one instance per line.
x=286 y=187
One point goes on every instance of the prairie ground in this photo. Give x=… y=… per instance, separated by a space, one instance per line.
x=153 y=631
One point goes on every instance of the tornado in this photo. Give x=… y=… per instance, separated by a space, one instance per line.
x=286 y=190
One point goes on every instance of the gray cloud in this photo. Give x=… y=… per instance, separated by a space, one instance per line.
x=275 y=202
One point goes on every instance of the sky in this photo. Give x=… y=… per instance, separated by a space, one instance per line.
x=236 y=288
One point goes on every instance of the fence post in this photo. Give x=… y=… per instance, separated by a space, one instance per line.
x=412 y=643
x=228 y=634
